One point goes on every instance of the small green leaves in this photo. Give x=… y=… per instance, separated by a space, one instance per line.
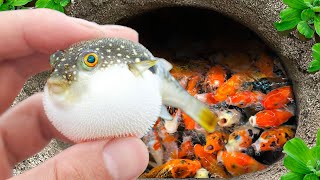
x=292 y=176
x=303 y=162
x=289 y=19
x=20 y=2
x=53 y=4
x=307 y=14
x=315 y=64
x=297 y=4
x=304 y=28
x=1 y=2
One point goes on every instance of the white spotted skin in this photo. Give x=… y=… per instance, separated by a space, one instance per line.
x=109 y=103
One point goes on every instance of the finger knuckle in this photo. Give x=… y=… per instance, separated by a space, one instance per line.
x=66 y=171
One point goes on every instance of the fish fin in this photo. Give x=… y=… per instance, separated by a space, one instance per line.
x=164 y=114
x=174 y=95
x=139 y=67
x=167 y=65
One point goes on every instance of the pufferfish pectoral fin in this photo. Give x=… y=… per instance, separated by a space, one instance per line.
x=164 y=114
x=174 y=95
x=138 y=68
x=167 y=66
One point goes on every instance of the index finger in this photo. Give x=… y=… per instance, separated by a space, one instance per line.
x=25 y=32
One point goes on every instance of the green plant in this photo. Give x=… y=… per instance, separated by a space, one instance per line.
x=303 y=15
x=53 y=4
x=12 y=4
x=17 y=4
x=303 y=162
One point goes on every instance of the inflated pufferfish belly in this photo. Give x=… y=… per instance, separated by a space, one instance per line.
x=114 y=87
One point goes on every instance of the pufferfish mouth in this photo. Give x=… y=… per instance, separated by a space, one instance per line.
x=57 y=85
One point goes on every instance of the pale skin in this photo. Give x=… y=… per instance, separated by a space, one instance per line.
x=27 y=38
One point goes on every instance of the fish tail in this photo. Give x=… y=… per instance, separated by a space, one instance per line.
x=174 y=95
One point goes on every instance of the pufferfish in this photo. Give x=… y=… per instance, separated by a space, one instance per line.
x=112 y=87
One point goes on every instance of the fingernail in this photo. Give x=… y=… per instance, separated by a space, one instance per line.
x=125 y=158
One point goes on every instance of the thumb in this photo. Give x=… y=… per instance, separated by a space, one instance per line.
x=122 y=158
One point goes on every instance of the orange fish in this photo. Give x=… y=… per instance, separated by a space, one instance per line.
x=245 y=99
x=169 y=142
x=273 y=139
x=231 y=86
x=238 y=163
x=186 y=148
x=193 y=85
x=207 y=98
x=175 y=168
x=265 y=64
x=270 y=118
x=241 y=139
x=215 y=142
x=278 y=98
x=215 y=78
x=189 y=123
x=209 y=162
x=228 y=117
x=236 y=61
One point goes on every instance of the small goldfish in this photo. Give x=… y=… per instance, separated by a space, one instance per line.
x=189 y=123
x=228 y=117
x=154 y=145
x=270 y=118
x=238 y=163
x=175 y=168
x=273 y=139
x=186 y=148
x=246 y=99
x=230 y=87
x=241 y=139
x=193 y=85
x=172 y=126
x=209 y=162
x=215 y=142
x=236 y=61
x=278 y=98
x=215 y=78
x=265 y=64
x=207 y=98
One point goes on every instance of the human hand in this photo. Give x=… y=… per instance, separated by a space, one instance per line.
x=27 y=38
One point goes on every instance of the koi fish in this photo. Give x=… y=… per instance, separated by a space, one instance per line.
x=270 y=118
x=208 y=98
x=186 y=148
x=278 y=98
x=193 y=85
x=175 y=168
x=215 y=78
x=209 y=162
x=202 y=173
x=153 y=142
x=246 y=99
x=215 y=142
x=228 y=117
x=188 y=122
x=265 y=64
x=273 y=139
x=169 y=142
x=172 y=126
x=236 y=61
x=241 y=139
x=238 y=163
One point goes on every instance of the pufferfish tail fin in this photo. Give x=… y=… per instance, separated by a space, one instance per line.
x=175 y=95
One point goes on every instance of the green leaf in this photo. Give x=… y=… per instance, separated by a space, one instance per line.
x=304 y=28
x=289 y=19
x=1 y=2
x=311 y=177
x=45 y=3
x=318 y=134
x=316 y=9
x=315 y=64
x=58 y=7
x=6 y=6
x=295 y=166
x=317 y=24
x=299 y=151
x=20 y=2
x=292 y=176
x=297 y=4
x=307 y=14
x=64 y=3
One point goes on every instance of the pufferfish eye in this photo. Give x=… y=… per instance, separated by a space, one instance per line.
x=91 y=59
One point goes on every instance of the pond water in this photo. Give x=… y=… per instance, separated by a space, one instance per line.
x=228 y=67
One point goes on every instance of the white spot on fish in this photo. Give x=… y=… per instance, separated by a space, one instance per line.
x=118 y=61
x=74 y=72
x=118 y=49
x=119 y=54
x=110 y=44
x=108 y=56
x=74 y=66
x=127 y=56
x=122 y=46
x=108 y=50
x=137 y=60
x=145 y=54
x=63 y=59
x=111 y=62
x=135 y=52
x=97 y=49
